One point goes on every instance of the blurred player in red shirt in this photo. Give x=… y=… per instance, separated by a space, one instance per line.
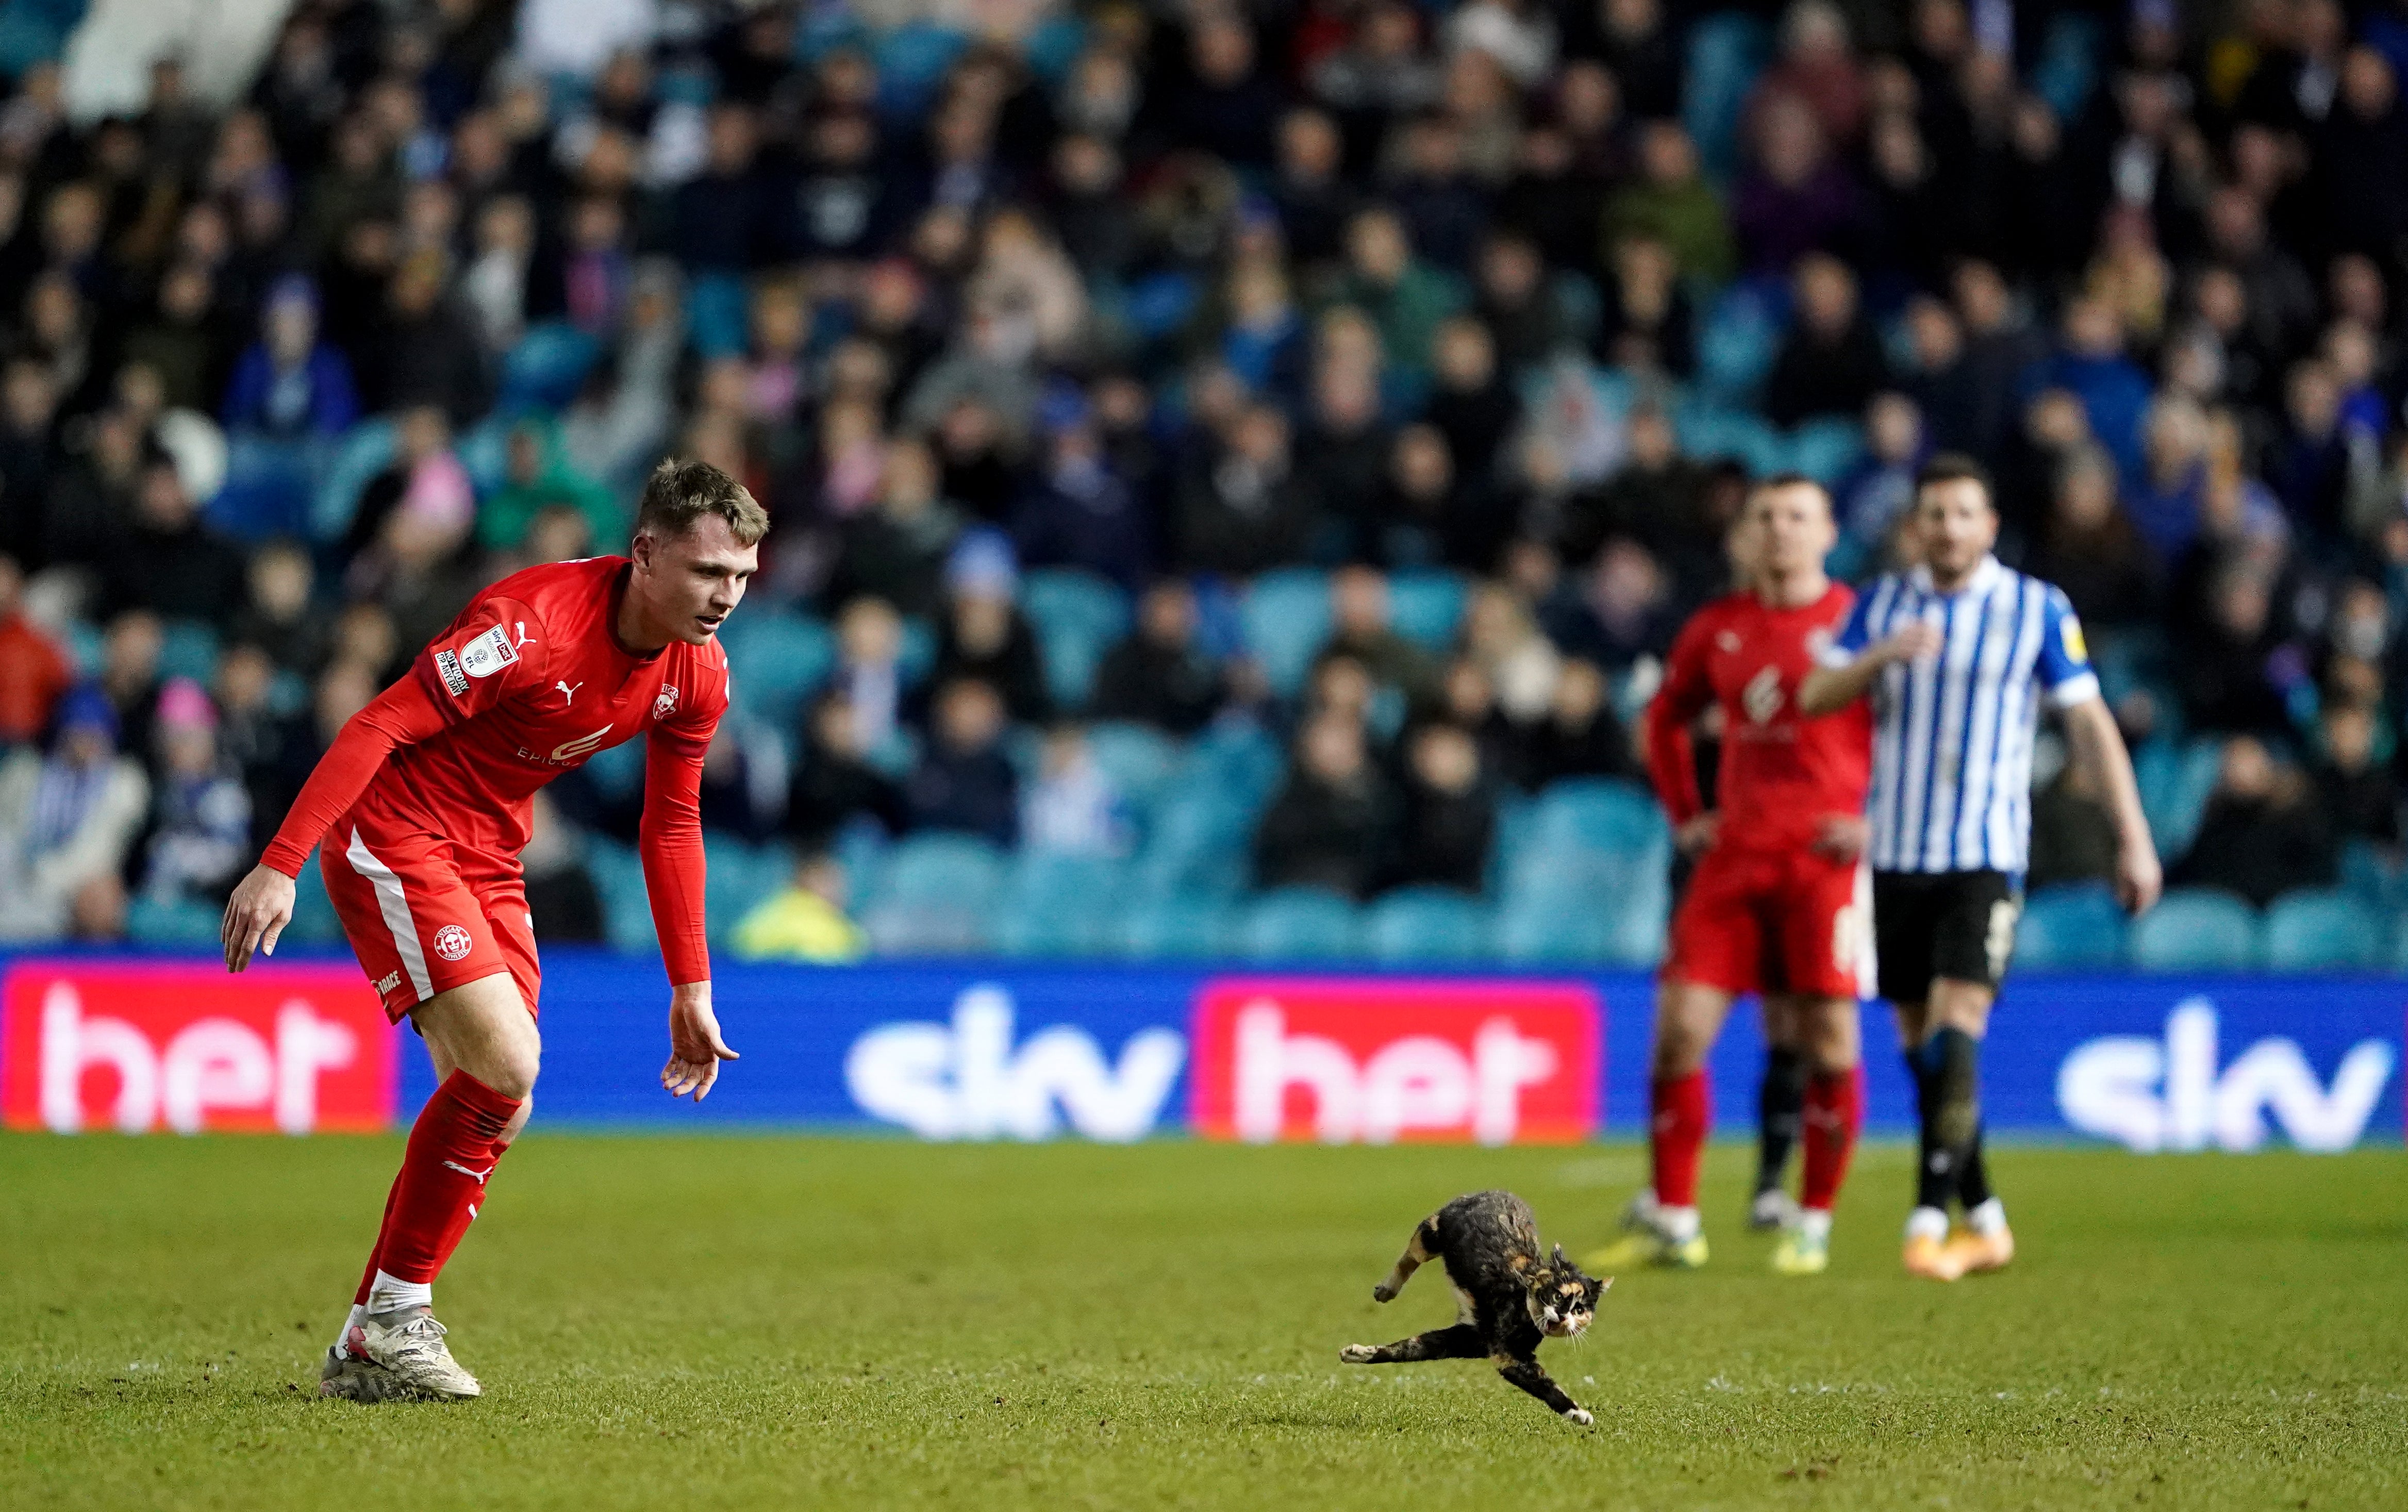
x=423 y=802
x=1777 y=901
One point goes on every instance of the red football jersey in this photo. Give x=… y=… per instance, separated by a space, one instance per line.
x=532 y=681
x=1781 y=773
x=527 y=683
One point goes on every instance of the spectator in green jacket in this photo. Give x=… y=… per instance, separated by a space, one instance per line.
x=540 y=478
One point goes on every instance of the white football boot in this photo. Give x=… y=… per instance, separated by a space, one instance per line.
x=352 y=1376
x=409 y=1345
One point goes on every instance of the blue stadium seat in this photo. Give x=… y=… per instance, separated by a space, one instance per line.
x=184 y=923
x=1562 y=929
x=268 y=486
x=2197 y=929
x=716 y=314
x=911 y=60
x=1707 y=432
x=627 y=908
x=1600 y=813
x=366 y=450
x=313 y=912
x=1727 y=51
x=1823 y=450
x=738 y=877
x=547 y=367
x=775 y=658
x=917 y=657
x=2373 y=876
x=1241 y=759
x=1139 y=759
x=1196 y=844
x=189 y=648
x=2073 y=927
x=2175 y=780
x=937 y=897
x=1286 y=618
x=1077 y=617
x=484 y=453
x=1736 y=349
x=1427 y=924
x=1297 y=924
x=1426 y=605
x=2067 y=69
x=1581 y=305
x=1183 y=927
x=1059 y=906
x=2325 y=930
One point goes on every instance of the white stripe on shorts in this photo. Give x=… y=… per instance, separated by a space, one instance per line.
x=394 y=906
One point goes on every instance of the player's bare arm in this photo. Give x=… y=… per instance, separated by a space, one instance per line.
x=1828 y=690
x=2098 y=749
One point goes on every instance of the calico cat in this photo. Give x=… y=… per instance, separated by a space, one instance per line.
x=1509 y=1298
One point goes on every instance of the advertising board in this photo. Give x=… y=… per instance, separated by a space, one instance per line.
x=989 y=1051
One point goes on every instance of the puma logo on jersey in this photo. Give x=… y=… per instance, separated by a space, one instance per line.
x=583 y=745
x=568 y=691
x=478 y=1177
x=1761 y=697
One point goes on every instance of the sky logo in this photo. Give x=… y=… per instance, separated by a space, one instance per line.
x=2149 y=1094
x=969 y=1080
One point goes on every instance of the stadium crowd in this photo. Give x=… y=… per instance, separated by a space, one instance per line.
x=1373 y=379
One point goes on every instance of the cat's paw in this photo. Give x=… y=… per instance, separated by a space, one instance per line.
x=1579 y=1417
x=1358 y=1354
x=1383 y=1293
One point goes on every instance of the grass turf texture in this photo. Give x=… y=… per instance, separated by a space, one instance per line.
x=833 y=1323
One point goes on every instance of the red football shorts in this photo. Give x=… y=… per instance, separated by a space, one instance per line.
x=1774 y=921
x=425 y=914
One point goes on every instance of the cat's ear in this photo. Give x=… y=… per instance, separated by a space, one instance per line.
x=1558 y=1261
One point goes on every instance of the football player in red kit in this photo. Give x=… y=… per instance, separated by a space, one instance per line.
x=423 y=803
x=1777 y=901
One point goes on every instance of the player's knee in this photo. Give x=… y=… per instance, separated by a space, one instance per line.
x=511 y=1069
x=1829 y=1037
x=1678 y=1052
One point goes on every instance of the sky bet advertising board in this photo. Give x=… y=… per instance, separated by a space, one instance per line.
x=985 y=1050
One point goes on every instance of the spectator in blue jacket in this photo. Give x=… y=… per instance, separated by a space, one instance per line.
x=2089 y=363
x=290 y=385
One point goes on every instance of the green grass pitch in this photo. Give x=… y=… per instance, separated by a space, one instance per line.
x=832 y=1323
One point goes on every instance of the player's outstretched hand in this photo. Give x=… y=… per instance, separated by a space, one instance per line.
x=260 y=908
x=696 y=1049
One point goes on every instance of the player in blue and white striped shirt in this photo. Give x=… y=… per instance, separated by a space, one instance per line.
x=1959 y=655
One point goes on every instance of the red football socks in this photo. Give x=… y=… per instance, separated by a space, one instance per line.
x=1835 y=1110
x=1681 y=1111
x=453 y=1149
